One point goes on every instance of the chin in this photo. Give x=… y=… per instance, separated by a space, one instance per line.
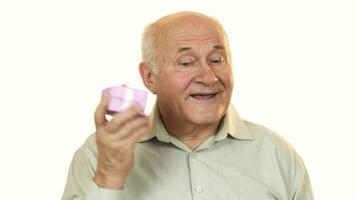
x=207 y=117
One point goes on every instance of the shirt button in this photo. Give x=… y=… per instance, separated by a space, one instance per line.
x=194 y=155
x=199 y=189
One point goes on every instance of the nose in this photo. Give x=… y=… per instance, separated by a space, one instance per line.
x=206 y=75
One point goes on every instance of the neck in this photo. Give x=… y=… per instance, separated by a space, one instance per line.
x=195 y=138
x=192 y=135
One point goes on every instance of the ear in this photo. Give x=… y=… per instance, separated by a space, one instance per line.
x=148 y=77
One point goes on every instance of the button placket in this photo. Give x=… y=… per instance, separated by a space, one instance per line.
x=199 y=189
x=197 y=185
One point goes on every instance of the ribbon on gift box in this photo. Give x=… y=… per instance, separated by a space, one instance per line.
x=122 y=97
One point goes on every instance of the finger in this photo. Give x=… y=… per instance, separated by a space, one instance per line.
x=120 y=119
x=99 y=115
x=119 y=138
x=108 y=140
x=130 y=141
x=137 y=135
x=127 y=142
x=131 y=126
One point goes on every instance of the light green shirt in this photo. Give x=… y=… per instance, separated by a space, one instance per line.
x=242 y=161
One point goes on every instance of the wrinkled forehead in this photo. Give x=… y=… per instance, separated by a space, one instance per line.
x=189 y=29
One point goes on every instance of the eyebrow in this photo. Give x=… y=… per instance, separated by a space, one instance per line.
x=221 y=47
x=184 y=49
x=218 y=46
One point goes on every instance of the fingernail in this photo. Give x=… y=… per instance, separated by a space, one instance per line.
x=136 y=108
x=105 y=94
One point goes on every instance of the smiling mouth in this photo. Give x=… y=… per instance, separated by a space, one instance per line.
x=203 y=96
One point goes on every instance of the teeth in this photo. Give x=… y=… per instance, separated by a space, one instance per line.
x=203 y=95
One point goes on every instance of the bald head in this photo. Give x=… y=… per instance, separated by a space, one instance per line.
x=157 y=34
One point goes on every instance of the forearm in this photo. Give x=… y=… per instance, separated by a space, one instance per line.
x=80 y=185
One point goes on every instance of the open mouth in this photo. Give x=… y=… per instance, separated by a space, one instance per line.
x=204 y=96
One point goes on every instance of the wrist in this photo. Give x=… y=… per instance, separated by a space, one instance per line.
x=109 y=182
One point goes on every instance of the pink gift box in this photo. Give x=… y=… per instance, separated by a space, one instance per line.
x=122 y=97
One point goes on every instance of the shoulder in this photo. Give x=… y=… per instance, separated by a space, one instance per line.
x=266 y=136
x=278 y=148
x=271 y=144
x=89 y=149
x=89 y=144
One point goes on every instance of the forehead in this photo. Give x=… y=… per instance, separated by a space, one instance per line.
x=191 y=38
x=190 y=32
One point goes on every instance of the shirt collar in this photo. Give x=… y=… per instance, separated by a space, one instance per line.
x=232 y=124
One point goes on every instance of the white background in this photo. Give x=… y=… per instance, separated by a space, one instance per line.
x=294 y=70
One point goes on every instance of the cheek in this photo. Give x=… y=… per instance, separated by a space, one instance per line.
x=226 y=78
x=184 y=80
x=181 y=81
x=174 y=85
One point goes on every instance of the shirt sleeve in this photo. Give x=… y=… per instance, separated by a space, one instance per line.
x=294 y=172
x=303 y=189
x=80 y=185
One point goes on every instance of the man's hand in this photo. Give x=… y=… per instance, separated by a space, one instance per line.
x=116 y=140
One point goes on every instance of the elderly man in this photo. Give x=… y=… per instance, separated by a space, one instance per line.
x=194 y=145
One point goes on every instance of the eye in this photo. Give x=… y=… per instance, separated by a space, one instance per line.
x=186 y=63
x=219 y=60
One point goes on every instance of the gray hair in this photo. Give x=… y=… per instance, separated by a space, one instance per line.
x=149 y=48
